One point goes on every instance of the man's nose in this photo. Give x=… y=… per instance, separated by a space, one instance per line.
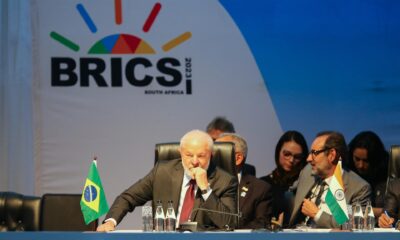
x=363 y=165
x=195 y=161
x=309 y=158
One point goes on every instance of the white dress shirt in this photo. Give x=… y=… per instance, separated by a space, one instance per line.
x=184 y=188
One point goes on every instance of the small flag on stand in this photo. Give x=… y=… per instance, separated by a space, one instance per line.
x=335 y=198
x=93 y=201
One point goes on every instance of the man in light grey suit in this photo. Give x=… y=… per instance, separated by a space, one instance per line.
x=327 y=149
x=214 y=189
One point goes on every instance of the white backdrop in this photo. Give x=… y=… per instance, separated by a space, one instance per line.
x=120 y=125
x=17 y=170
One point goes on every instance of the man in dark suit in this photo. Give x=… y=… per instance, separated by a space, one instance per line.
x=255 y=195
x=213 y=188
x=391 y=205
x=309 y=205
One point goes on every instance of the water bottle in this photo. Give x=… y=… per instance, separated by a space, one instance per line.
x=358 y=218
x=147 y=218
x=170 y=218
x=159 y=217
x=369 y=218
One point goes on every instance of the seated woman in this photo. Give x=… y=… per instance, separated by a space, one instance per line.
x=290 y=157
x=392 y=206
x=369 y=159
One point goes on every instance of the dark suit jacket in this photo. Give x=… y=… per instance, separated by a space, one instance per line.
x=356 y=189
x=392 y=199
x=249 y=169
x=164 y=183
x=255 y=202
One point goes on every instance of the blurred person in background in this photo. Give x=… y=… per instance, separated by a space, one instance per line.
x=369 y=159
x=220 y=125
x=391 y=212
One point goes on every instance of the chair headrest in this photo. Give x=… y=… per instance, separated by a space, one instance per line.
x=223 y=154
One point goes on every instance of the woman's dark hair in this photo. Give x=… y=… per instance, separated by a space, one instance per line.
x=377 y=156
x=279 y=175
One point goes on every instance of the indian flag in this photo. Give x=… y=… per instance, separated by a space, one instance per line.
x=93 y=201
x=335 y=198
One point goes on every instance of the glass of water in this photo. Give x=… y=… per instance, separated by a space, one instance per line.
x=147 y=218
x=349 y=223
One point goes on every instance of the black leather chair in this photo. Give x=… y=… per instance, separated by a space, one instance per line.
x=19 y=212
x=223 y=154
x=394 y=162
x=62 y=212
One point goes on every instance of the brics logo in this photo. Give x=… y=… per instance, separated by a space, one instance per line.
x=165 y=71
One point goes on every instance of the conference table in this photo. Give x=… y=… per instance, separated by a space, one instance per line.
x=235 y=235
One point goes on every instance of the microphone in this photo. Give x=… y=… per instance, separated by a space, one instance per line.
x=239 y=214
x=192 y=226
x=293 y=187
x=311 y=195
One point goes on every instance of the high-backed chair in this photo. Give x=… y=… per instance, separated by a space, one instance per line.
x=19 y=212
x=223 y=154
x=394 y=162
x=62 y=212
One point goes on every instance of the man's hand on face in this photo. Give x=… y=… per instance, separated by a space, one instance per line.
x=200 y=175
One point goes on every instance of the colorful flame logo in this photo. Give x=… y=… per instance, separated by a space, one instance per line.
x=120 y=43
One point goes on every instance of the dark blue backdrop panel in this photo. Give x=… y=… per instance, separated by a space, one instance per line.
x=331 y=64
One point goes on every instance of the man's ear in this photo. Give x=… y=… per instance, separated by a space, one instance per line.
x=333 y=156
x=239 y=157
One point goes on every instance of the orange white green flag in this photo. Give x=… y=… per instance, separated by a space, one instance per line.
x=335 y=198
x=93 y=202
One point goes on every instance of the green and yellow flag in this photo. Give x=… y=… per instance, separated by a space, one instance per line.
x=93 y=201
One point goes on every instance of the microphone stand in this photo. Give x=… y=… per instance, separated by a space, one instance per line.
x=192 y=226
x=227 y=227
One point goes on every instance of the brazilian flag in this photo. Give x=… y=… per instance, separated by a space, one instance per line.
x=93 y=201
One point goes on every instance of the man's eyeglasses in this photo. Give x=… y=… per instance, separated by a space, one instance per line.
x=315 y=153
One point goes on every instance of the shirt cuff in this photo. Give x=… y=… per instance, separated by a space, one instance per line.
x=207 y=194
x=318 y=215
x=111 y=220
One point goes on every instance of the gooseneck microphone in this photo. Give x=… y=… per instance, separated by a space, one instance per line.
x=192 y=226
x=239 y=214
